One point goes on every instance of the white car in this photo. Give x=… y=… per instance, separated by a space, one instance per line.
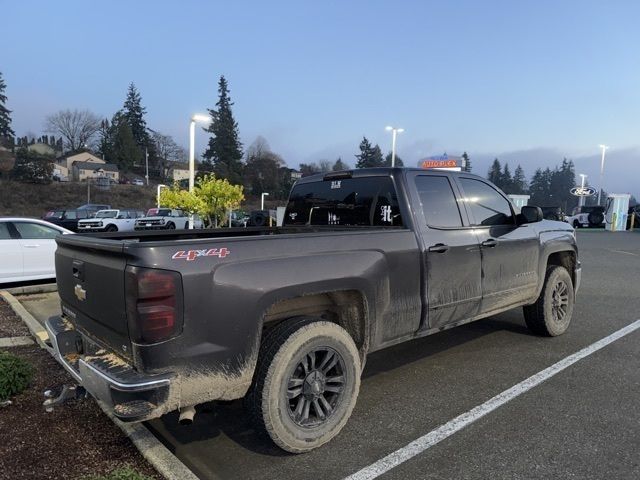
x=163 y=219
x=111 y=220
x=27 y=248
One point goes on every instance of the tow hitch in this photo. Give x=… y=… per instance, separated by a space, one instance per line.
x=75 y=392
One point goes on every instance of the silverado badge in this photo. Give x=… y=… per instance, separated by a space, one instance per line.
x=80 y=292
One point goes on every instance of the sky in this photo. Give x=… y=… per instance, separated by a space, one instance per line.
x=527 y=82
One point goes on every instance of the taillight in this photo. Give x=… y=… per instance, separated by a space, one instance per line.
x=154 y=304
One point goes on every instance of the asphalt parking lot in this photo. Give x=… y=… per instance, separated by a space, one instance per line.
x=583 y=422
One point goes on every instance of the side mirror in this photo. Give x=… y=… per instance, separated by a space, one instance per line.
x=529 y=214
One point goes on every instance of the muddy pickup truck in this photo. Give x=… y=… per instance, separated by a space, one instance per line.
x=286 y=316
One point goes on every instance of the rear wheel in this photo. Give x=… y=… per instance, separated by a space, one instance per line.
x=595 y=219
x=306 y=383
x=551 y=314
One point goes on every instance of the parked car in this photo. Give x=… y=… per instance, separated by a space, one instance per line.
x=68 y=218
x=138 y=182
x=94 y=206
x=111 y=221
x=592 y=216
x=162 y=219
x=286 y=316
x=27 y=249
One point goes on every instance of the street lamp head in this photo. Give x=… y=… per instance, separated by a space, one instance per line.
x=199 y=117
x=400 y=130
x=265 y=194
x=388 y=128
x=604 y=146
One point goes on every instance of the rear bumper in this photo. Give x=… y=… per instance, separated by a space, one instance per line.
x=130 y=395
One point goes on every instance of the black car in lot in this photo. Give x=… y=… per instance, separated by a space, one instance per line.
x=68 y=218
x=552 y=213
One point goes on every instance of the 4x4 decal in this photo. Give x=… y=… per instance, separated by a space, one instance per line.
x=190 y=255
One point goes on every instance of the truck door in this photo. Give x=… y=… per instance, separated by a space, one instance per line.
x=450 y=252
x=509 y=252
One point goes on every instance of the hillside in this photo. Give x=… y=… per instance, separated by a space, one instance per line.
x=31 y=200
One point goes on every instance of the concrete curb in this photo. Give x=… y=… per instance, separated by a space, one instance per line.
x=8 y=342
x=34 y=326
x=32 y=289
x=165 y=462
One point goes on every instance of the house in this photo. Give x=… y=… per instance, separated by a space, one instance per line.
x=83 y=170
x=60 y=170
x=179 y=171
x=85 y=157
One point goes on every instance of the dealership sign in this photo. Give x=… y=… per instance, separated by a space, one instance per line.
x=445 y=161
x=583 y=191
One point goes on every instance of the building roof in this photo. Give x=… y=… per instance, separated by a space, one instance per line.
x=109 y=167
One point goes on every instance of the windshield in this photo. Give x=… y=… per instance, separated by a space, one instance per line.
x=107 y=214
x=54 y=214
x=158 y=212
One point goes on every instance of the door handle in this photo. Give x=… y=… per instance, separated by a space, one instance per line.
x=490 y=243
x=32 y=245
x=439 y=248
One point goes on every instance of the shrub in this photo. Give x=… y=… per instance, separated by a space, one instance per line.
x=125 y=473
x=15 y=375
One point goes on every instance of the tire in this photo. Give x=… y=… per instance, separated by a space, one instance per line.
x=595 y=219
x=290 y=399
x=576 y=224
x=186 y=225
x=171 y=226
x=547 y=317
x=111 y=228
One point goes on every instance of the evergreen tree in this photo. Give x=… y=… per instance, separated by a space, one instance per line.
x=134 y=112
x=505 y=179
x=467 y=162
x=105 y=143
x=495 y=173
x=398 y=162
x=519 y=183
x=369 y=156
x=124 y=151
x=6 y=132
x=563 y=179
x=223 y=155
x=339 y=165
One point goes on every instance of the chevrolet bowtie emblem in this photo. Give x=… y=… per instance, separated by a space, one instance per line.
x=80 y=292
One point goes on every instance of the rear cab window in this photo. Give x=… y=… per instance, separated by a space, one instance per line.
x=360 y=201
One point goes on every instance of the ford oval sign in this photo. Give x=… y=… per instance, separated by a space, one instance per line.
x=583 y=191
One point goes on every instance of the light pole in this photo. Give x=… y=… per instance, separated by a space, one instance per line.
x=604 y=149
x=160 y=187
x=394 y=132
x=146 y=162
x=192 y=153
x=264 y=194
x=581 y=197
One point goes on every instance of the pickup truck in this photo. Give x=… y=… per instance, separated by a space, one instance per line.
x=163 y=219
x=110 y=221
x=286 y=316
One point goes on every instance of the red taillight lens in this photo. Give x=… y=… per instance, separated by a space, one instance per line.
x=154 y=304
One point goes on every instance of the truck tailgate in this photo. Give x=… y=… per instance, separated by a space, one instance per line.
x=91 y=282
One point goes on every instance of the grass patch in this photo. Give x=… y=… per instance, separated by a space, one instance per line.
x=15 y=375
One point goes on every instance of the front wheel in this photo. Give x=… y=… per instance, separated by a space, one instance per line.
x=551 y=314
x=306 y=383
x=171 y=226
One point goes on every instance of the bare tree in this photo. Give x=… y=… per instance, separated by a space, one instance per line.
x=77 y=127
x=167 y=151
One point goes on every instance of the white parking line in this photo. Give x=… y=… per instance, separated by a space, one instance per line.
x=432 y=438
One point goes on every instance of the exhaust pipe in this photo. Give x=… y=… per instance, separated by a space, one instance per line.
x=186 y=415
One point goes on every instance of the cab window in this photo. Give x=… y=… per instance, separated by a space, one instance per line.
x=487 y=206
x=438 y=202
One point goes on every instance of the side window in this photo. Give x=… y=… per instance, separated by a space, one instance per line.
x=4 y=231
x=81 y=213
x=439 y=205
x=486 y=204
x=33 y=231
x=70 y=215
